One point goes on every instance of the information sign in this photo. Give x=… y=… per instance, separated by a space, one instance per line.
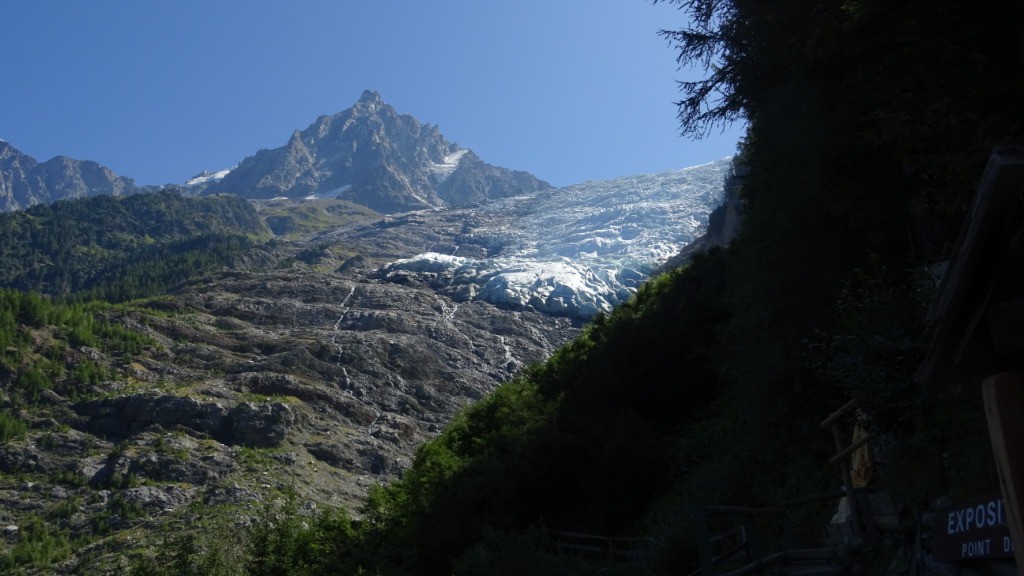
x=975 y=529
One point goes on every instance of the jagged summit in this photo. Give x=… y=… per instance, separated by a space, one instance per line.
x=374 y=156
x=370 y=97
x=24 y=181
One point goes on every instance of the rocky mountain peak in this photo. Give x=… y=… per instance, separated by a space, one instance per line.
x=11 y=155
x=295 y=146
x=370 y=98
x=24 y=181
x=374 y=156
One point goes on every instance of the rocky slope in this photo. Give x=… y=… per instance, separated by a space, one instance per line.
x=254 y=382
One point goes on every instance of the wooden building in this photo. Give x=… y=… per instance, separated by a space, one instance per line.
x=977 y=323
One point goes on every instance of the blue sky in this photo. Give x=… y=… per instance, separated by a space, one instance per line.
x=570 y=90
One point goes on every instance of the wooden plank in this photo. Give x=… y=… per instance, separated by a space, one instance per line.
x=811 y=554
x=731 y=553
x=580 y=548
x=824 y=497
x=753 y=540
x=1004 y=403
x=758 y=566
x=736 y=531
x=968 y=348
x=713 y=511
x=825 y=424
x=823 y=569
x=700 y=527
x=851 y=496
x=845 y=452
x=1005 y=320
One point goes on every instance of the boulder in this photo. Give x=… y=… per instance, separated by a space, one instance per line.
x=259 y=425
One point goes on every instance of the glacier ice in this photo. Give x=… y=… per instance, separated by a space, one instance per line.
x=575 y=251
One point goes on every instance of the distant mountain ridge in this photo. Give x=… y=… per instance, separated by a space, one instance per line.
x=373 y=156
x=368 y=154
x=24 y=181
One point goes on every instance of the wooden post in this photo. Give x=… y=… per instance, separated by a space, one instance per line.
x=700 y=528
x=842 y=459
x=1004 y=406
x=851 y=495
x=753 y=542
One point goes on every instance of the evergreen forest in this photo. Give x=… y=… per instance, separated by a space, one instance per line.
x=117 y=249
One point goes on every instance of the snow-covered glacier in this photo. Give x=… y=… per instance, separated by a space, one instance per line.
x=573 y=251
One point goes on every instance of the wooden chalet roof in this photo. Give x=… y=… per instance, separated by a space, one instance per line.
x=976 y=322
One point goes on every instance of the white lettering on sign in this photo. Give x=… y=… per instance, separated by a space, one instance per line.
x=984 y=515
x=1007 y=544
x=976 y=548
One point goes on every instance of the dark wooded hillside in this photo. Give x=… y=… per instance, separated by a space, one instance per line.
x=120 y=248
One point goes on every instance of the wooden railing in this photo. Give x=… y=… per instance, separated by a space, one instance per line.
x=842 y=458
x=611 y=548
x=740 y=544
x=737 y=548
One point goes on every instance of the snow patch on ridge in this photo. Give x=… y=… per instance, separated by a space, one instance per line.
x=207 y=177
x=442 y=171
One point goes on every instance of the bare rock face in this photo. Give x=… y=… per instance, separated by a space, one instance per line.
x=157 y=499
x=251 y=424
x=122 y=417
x=262 y=425
x=390 y=363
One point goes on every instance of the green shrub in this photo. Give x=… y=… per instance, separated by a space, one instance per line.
x=284 y=542
x=39 y=545
x=183 y=554
x=11 y=427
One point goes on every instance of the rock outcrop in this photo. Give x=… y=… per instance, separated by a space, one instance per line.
x=259 y=425
x=723 y=223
